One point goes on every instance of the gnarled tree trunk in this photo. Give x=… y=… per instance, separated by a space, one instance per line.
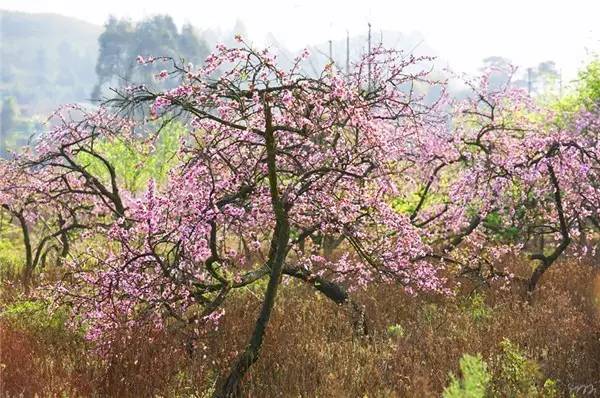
x=277 y=255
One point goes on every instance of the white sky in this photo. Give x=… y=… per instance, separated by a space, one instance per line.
x=462 y=31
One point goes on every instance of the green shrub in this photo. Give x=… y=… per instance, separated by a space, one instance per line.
x=512 y=374
x=476 y=307
x=431 y=313
x=396 y=331
x=11 y=253
x=136 y=163
x=518 y=376
x=34 y=316
x=474 y=382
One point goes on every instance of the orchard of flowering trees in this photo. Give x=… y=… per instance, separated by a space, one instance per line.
x=335 y=180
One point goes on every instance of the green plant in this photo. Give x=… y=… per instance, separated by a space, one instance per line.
x=475 y=379
x=35 y=316
x=136 y=162
x=476 y=307
x=519 y=376
x=11 y=255
x=586 y=93
x=430 y=313
x=396 y=331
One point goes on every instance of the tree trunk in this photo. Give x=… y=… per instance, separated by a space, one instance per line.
x=537 y=275
x=230 y=387
x=29 y=265
x=277 y=255
x=547 y=261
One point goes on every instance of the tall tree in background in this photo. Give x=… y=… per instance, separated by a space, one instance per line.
x=156 y=36
x=7 y=121
x=122 y=41
x=188 y=43
x=113 y=52
x=541 y=79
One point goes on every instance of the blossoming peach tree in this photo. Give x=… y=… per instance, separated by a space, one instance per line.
x=511 y=173
x=274 y=162
x=279 y=166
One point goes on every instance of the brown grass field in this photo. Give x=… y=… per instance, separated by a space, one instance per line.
x=311 y=350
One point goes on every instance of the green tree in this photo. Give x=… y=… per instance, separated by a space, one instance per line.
x=585 y=94
x=588 y=88
x=122 y=41
x=7 y=119
x=190 y=46
x=114 y=53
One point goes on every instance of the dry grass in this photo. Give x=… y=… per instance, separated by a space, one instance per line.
x=311 y=351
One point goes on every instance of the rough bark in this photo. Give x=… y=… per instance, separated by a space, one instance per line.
x=29 y=264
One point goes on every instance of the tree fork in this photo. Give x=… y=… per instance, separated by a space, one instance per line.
x=547 y=261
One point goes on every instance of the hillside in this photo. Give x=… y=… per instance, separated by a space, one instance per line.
x=46 y=59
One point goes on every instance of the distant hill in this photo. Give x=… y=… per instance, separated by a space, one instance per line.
x=46 y=60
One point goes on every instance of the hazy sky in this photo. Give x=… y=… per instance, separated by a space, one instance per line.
x=462 y=31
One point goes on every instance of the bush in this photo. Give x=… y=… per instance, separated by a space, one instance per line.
x=11 y=254
x=396 y=331
x=33 y=315
x=474 y=382
x=519 y=376
x=476 y=307
x=513 y=375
